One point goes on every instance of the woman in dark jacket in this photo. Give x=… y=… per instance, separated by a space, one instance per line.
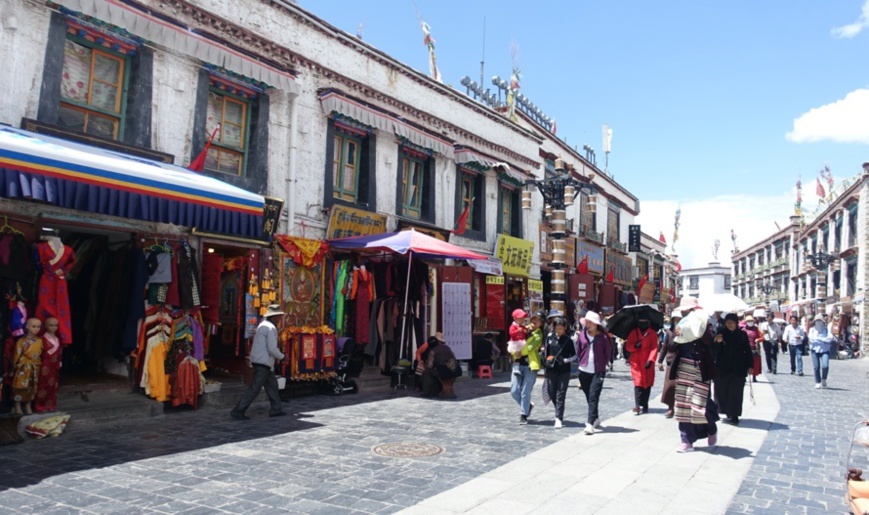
x=560 y=353
x=733 y=359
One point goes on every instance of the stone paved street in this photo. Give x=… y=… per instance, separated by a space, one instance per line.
x=319 y=460
x=800 y=468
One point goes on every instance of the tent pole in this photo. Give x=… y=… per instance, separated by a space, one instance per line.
x=405 y=308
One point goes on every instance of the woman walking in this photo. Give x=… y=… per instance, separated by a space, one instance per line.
x=668 y=354
x=595 y=352
x=755 y=339
x=526 y=363
x=733 y=359
x=642 y=343
x=560 y=353
x=821 y=342
x=693 y=369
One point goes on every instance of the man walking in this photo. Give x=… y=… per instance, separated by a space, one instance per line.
x=771 y=336
x=795 y=336
x=263 y=354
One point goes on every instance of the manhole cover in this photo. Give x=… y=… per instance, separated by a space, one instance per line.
x=407 y=449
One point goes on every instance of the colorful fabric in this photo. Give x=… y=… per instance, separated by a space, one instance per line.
x=51 y=426
x=647 y=353
x=691 y=393
x=304 y=252
x=46 y=389
x=53 y=301
x=25 y=375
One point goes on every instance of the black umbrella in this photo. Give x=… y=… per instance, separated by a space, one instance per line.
x=622 y=323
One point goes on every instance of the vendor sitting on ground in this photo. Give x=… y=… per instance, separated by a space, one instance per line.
x=441 y=370
x=485 y=352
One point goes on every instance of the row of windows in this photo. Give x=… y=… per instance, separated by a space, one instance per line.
x=93 y=98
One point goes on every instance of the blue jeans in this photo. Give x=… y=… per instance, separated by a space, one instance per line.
x=821 y=363
x=521 y=383
x=796 y=352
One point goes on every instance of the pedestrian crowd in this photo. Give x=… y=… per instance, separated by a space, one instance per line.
x=707 y=360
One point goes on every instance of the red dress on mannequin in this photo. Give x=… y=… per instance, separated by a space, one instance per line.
x=53 y=299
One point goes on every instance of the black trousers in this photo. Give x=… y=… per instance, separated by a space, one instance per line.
x=263 y=377
x=641 y=397
x=592 y=385
x=558 y=390
x=729 y=389
x=770 y=349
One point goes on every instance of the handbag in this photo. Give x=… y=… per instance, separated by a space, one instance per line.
x=549 y=364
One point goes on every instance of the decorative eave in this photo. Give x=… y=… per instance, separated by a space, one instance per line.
x=205 y=21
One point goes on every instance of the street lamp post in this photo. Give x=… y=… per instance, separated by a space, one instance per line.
x=766 y=289
x=558 y=193
x=821 y=261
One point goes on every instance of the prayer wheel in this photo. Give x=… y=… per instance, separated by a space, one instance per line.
x=558 y=223
x=558 y=253
x=547 y=211
x=526 y=199
x=557 y=305
x=558 y=284
x=569 y=193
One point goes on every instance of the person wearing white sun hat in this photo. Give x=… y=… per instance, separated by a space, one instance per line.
x=594 y=350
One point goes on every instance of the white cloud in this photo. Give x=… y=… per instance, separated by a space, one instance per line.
x=752 y=217
x=843 y=121
x=852 y=29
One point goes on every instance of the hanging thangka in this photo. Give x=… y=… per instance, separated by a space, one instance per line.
x=301 y=283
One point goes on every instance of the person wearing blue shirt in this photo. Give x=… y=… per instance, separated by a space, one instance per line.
x=821 y=341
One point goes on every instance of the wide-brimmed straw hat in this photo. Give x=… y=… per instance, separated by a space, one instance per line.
x=273 y=310
x=686 y=303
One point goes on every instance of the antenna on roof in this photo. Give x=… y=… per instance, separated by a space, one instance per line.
x=483 y=57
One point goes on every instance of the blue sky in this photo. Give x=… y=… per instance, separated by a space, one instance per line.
x=716 y=107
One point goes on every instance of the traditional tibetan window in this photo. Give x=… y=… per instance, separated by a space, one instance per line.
x=94 y=80
x=509 y=211
x=350 y=163
x=471 y=192
x=230 y=105
x=415 y=193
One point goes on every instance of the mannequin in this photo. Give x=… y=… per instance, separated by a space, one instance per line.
x=27 y=360
x=55 y=259
x=46 y=391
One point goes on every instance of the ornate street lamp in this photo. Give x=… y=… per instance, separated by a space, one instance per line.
x=821 y=261
x=558 y=193
x=766 y=289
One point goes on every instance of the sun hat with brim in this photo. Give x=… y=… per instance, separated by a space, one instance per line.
x=554 y=313
x=519 y=313
x=686 y=303
x=819 y=318
x=273 y=311
x=749 y=318
x=592 y=317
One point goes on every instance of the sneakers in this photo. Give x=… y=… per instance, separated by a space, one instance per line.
x=823 y=383
x=596 y=424
x=635 y=410
x=800 y=374
x=685 y=447
x=589 y=429
x=712 y=441
x=817 y=386
x=523 y=419
x=558 y=424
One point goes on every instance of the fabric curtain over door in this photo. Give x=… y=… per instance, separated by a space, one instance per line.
x=75 y=176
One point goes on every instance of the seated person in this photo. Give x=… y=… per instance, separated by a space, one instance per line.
x=485 y=352
x=440 y=373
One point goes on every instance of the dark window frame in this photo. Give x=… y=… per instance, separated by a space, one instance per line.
x=476 y=229
x=248 y=116
x=427 y=198
x=366 y=196
x=515 y=194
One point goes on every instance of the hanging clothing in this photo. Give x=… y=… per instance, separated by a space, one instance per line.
x=363 y=293
x=46 y=390
x=136 y=302
x=186 y=387
x=25 y=374
x=188 y=277
x=212 y=265
x=55 y=259
x=14 y=257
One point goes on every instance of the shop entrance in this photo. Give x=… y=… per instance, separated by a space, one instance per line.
x=228 y=272
x=101 y=292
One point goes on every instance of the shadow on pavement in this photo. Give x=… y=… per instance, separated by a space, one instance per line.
x=616 y=429
x=762 y=424
x=737 y=453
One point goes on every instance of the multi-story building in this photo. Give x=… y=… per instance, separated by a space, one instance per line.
x=762 y=272
x=815 y=267
x=311 y=132
x=707 y=280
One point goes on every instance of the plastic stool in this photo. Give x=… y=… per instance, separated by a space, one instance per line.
x=484 y=371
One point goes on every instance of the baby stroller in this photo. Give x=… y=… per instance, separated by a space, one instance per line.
x=350 y=362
